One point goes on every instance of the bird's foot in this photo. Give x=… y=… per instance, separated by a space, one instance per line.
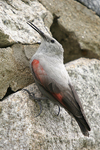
x=37 y=99
x=32 y=96
x=58 y=110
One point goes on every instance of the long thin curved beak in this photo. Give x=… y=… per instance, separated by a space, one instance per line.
x=36 y=29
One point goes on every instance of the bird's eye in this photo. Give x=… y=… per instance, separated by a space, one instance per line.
x=52 y=41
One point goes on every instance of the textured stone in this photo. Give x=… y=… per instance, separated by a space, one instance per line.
x=92 y=4
x=14 y=69
x=20 y=129
x=77 y=28
x=13 y=17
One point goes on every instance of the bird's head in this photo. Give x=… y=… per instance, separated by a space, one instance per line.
x=49 y=45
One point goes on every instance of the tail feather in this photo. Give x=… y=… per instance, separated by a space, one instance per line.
x=83 y=126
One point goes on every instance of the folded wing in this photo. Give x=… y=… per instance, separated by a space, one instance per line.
x=67 y=97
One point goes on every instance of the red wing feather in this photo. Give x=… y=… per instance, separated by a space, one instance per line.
x=42 y=77
x=38 y=71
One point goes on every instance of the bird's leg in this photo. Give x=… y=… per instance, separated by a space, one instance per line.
x=37 y=99
x=58 y=110
x=32 y=96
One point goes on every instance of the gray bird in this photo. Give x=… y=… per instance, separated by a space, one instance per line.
x=53 y=80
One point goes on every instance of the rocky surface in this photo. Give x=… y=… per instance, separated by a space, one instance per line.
x=14 y=68
x=13 y=17
x=77 y=28
x=20 y=129
x=92 y=4
x=18 y=41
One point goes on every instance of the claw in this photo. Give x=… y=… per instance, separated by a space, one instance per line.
x=32 y=95
x=38 y=100
x=58 y=110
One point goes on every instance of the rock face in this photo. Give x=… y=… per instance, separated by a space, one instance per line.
x=14 y=68
x=92 y=4
x=76 y=29
x=14 y=57
x=13 y=17
x=20 y=129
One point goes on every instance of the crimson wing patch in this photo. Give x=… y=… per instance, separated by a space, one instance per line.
x=45 y=81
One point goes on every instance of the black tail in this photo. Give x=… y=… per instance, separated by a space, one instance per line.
x=83 y=126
